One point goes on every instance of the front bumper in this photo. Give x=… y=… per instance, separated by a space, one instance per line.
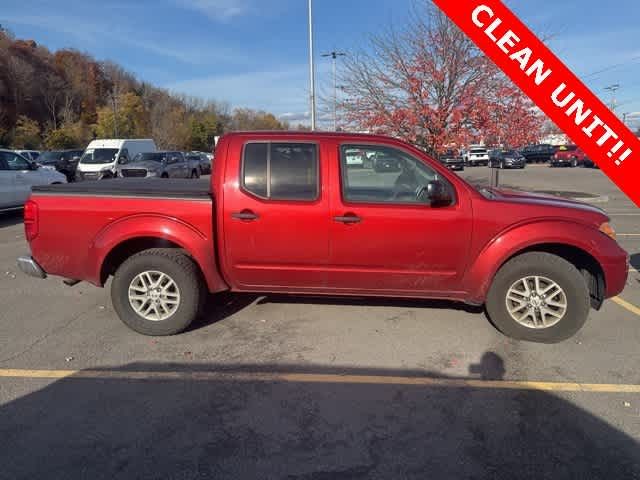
x=30 y=267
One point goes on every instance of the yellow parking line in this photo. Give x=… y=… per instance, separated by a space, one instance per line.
x=319 y=378
x=629 y=306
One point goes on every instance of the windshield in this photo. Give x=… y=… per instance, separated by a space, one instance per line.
x=99 y=155
x=510 y=153
x=153 y=157
x=49 y=157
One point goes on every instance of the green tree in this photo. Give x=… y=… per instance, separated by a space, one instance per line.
x=60 y=138
x=125 y=118
x=202 y=132
x=27 y=133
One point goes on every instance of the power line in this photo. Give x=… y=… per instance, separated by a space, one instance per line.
x=612 y=67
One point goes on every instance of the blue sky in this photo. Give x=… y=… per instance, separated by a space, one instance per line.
x=253 y=53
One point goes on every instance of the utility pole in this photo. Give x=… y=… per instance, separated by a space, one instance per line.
x=312 y=74
x=613 y=88
x=334 y=55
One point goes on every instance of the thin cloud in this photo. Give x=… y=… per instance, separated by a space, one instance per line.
x=218 y=10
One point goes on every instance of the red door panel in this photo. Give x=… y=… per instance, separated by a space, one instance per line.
x=395 y=247
x=273 y=244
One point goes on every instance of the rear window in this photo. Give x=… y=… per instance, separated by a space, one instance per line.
x=478 y=150
x=281 y=171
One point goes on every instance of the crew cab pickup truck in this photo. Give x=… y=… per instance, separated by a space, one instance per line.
x=288 y=213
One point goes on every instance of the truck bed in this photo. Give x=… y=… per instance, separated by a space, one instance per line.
x=132 y=187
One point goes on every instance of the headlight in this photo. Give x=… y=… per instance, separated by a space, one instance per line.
x=608 y=230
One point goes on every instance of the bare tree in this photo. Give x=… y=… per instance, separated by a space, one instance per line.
x=52 y=89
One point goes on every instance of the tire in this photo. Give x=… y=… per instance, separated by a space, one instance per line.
x=574 y=163
x=554 y=268
x=164 y=175
x=181 y=269
x=501 y=165
x=195 y=174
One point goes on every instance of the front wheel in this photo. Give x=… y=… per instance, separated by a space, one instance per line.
x=158 y=291
x=538 y=297
x=195 y=174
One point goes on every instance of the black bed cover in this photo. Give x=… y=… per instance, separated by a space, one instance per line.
x=133 y=187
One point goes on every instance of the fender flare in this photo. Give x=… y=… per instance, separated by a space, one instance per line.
x=197 y=244
x=509 y=243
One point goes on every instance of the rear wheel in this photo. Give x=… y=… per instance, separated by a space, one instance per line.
x=538 y=297
x=574 y=163
x=195 y=174
x=158 y=291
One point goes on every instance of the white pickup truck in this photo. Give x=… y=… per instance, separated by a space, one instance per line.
x=476 y=155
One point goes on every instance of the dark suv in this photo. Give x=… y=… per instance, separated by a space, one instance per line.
x=538 y=153
x=64 y=161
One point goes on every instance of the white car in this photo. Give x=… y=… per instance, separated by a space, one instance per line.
x=18 y=175
x=476 y=155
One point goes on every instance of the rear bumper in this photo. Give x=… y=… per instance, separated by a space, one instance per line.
x=30 y=267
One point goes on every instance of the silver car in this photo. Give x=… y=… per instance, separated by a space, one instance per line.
x=18 y=175
x=166 y=164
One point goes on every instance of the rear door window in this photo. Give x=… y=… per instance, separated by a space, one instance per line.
x=281 y=171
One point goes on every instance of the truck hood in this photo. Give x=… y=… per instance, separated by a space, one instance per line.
x=146 y=164
x=545 y=200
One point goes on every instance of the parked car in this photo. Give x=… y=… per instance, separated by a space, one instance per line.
x=31 y=155
x=475 y=156
x=452 y=160
x=64 y=161
x=356 y=158
x=167 y=164
x=18 y=175
x=101 y=157
x=278 y=217
x=506 y=159
x=569 y=156
x=538 y=153
x=200 y=161
x=383 y=162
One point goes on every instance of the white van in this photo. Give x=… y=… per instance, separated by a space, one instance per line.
x=101 y=156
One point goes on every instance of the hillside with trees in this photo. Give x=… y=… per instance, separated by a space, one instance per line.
x=66 y=98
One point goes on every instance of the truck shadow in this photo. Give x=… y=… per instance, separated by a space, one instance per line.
x=156 y=420
x=222 y=305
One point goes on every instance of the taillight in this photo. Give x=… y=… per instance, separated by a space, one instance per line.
x=30 y=220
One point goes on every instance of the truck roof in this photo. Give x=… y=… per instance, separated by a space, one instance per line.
x=305 y=134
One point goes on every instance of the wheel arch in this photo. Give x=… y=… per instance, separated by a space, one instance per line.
x=134 y=234
x=570 y=241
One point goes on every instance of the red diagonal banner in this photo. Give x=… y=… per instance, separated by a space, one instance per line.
x=552 y=87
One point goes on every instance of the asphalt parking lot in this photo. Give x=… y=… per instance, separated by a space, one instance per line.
x=307 y=388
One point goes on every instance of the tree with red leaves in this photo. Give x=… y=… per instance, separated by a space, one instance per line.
x=431 y=86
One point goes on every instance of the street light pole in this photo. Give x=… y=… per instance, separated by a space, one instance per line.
x=312 y=75
x=612 y=89
x=334 y=55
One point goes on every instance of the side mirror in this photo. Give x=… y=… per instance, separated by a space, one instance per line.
x=438 y=193
x=122 y=160
x=33 y=166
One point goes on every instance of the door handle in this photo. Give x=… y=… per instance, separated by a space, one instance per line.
x=244 y=215
x=348 y=218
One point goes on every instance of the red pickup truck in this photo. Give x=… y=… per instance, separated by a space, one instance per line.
x=286 y=212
